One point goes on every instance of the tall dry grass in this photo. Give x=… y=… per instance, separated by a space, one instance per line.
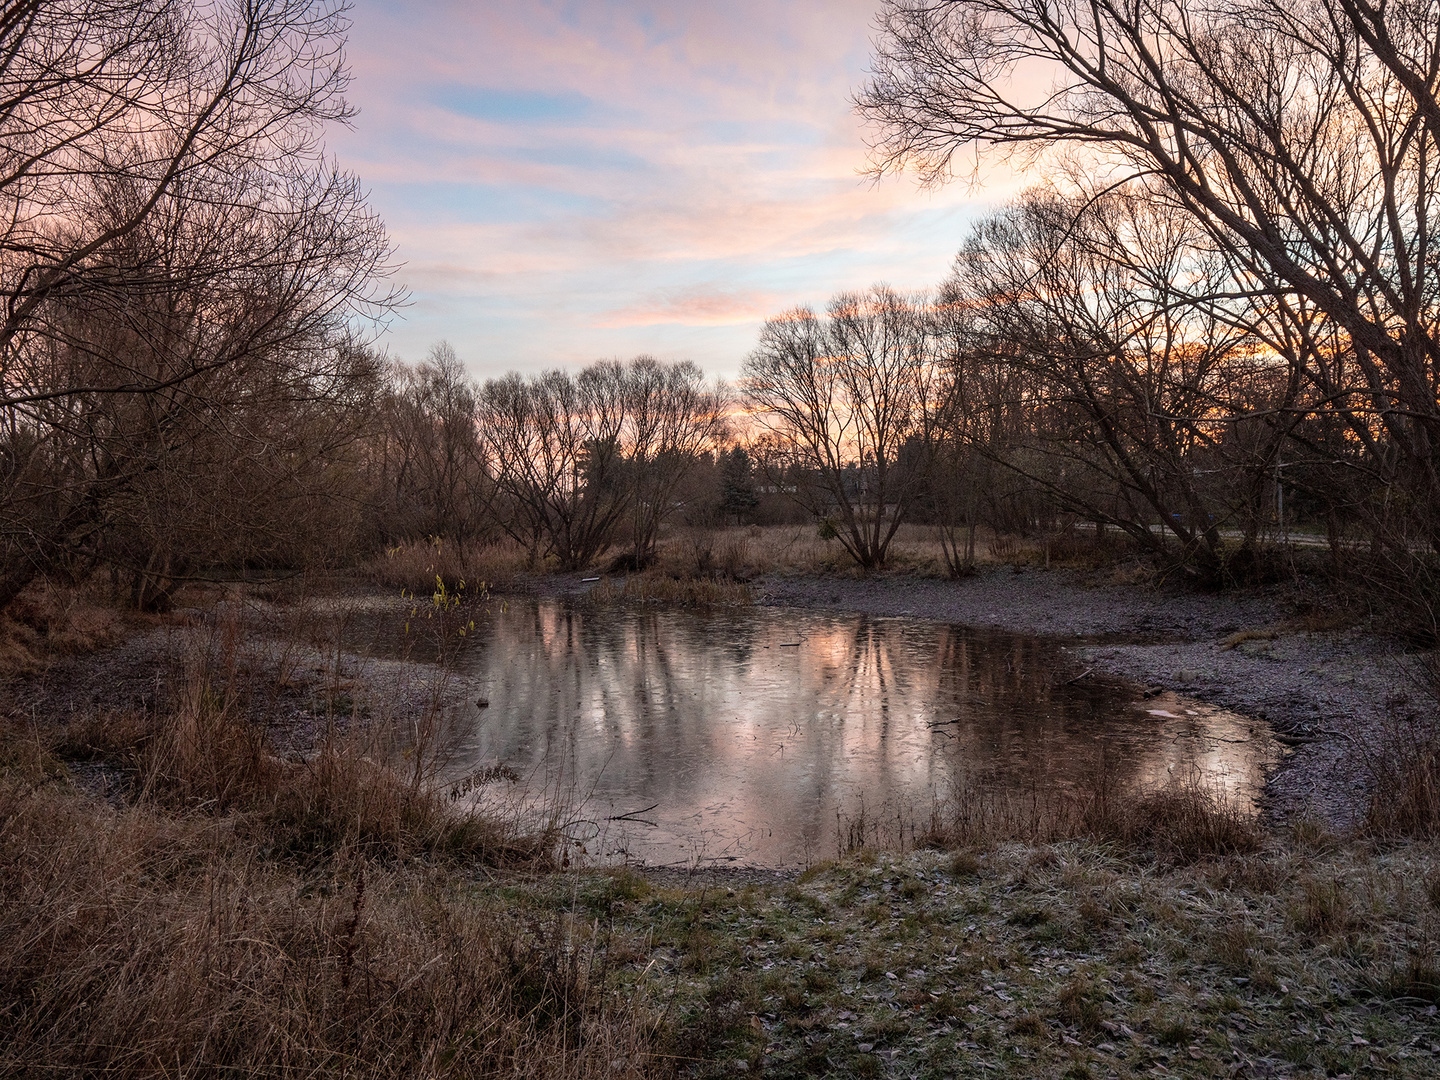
x=146 y=942
x=1178 y=824
x=739 y=553
x=1401 y=758
x=414 y=566
x=51 y=618
x=369 y=783
x=656 y=587
x=250 y=912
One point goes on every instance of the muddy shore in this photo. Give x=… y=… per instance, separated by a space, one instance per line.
x=1323 y=691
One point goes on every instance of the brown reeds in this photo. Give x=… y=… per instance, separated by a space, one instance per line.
x=1401 y=757
x=369 y=785
x=414 y=566
x=653 y=587
x=1179 y=824
x=50 y=619
x=144 y=943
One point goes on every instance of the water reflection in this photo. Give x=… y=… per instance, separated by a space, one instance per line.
x=742 y=735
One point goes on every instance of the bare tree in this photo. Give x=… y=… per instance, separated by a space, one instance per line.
x=1302 y=137
x=434 y=470
x=672 y=418
x=1146 y=408
x=843 y=395
x=555 y=441
x=176 y=249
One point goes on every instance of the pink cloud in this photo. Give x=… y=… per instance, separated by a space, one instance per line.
x=692 y=307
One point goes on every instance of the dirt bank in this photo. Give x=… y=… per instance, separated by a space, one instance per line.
x=1321 y=689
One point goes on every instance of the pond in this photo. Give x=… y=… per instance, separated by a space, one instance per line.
x=761 y=736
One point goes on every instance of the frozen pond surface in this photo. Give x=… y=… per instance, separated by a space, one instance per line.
x=756 y=735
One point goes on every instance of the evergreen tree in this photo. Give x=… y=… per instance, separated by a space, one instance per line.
x=737 y=485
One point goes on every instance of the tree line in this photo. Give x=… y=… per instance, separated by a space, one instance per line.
x=193 y=291
x=1214 y=320
x=569 y=465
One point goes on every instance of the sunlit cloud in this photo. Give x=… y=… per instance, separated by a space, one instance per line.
x=565 y=181
x=693 y=307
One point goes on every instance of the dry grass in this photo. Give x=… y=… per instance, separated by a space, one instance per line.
x=1240 y=637
x=415 y=566
x=244 y=913
x=1402 y=758
x=369 y=785
x=146 y=941
x=654 y=587
x=49 y=619
x=1176 y=825
x=739 y=553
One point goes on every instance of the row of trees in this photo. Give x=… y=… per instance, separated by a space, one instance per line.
x=184 y=275
x=1224 y=295
x=1058 y=370
x=565 y=463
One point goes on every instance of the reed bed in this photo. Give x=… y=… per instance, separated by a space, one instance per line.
x=415 y=566
x=1182 y=823
x=653 y=587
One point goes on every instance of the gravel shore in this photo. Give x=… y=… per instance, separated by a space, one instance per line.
x=1324 y=692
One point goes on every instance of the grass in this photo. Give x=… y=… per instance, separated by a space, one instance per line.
x=656 y=587
x=1024 y=960
x=145 y=941
x=916 y=551
x=1181 y=823
x=50 y=619
x=165 y=935
x=1401 y=757
x=414 y=566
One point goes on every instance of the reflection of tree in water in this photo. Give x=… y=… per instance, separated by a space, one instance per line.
x=716 y=719
x=594 y=684
x=1026 y=724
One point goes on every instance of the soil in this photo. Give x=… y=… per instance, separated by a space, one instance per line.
x=1327 y=693
x=281 y=661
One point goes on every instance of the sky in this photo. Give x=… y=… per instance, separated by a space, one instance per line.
x=570 y=181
